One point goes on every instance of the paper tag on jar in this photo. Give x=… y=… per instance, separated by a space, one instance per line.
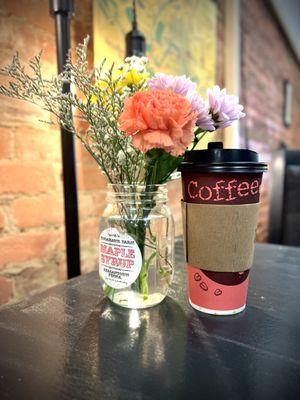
x=120 y=260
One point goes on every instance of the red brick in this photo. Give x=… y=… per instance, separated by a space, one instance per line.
x=90 y=262
x=36 y=211
x=15 y=113
x=83 y=156
x=2 y=220
x=86 y=205
x=4 y=143
x=92 y=204
x=62 y=270
x=26 y=11
x=90 y=177
x=26 y=246
x=62 y=239
x=16 y=33
x=6 y=290
x=89 y=231
x=32 y=143
x=18 y=177
x=99 y=201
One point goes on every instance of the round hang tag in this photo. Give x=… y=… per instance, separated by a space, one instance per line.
x=120 y=260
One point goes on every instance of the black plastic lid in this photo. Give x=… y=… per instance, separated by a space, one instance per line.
x=217 y=159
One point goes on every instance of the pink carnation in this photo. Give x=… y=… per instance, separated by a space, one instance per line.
x=159 y=119
x=185 y=87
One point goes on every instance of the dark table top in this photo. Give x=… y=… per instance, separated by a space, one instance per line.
x=71 y=343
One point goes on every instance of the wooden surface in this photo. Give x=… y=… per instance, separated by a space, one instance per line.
x=71 y=343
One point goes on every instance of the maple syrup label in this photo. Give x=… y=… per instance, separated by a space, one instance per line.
x=120 y=259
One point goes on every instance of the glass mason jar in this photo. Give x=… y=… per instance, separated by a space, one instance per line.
x=136 y=245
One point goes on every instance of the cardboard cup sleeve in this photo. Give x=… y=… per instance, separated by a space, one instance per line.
x=220 y=237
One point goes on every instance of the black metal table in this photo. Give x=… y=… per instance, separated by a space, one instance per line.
x=69 y=343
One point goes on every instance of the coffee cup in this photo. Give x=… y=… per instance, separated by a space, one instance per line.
x=221 y=191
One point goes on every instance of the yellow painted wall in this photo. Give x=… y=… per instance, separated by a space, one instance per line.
x=180 y=35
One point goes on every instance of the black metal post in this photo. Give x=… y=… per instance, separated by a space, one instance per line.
x=62 y=11
x=135 y=39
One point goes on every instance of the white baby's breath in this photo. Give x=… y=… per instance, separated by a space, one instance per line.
x=99 y=106
x=121 y=157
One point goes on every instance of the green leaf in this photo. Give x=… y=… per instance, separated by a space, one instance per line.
x=160 y=165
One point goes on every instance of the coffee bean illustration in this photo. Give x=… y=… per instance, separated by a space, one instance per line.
x=203 y=286
x=197 y=277
x=218 y=292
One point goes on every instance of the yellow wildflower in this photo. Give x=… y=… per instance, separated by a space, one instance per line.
x=103 y=91
x=132 y=73
x=134 y=77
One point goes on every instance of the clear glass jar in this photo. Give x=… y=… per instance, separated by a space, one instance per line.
x=136 y=245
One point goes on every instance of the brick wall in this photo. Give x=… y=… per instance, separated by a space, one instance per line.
x=32 y=244
x=267 y=60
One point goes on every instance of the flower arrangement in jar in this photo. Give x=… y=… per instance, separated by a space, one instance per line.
x=137 y=128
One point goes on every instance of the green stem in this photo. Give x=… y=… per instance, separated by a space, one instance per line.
x=109 y=292
x=143 y=277
x=199 y=135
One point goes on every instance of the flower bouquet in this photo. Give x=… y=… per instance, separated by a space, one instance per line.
x=137 y=128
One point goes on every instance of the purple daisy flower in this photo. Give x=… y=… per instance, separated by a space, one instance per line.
x=225 y=109
x=178 y=84
x=204 y=120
